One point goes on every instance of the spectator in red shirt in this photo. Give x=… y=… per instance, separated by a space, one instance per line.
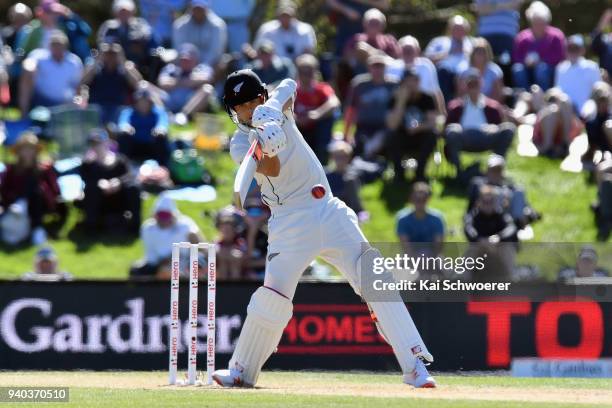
x=33 y=183
x=315 y=105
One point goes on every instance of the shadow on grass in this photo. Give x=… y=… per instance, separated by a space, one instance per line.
x=85 y=238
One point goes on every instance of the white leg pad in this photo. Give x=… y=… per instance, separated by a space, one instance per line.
x=267 y=315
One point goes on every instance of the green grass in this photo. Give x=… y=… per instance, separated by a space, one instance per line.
x=318 y=389
x=563 y=198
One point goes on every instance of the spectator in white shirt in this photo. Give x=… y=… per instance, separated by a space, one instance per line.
x=411 y=57
x=576 y=75
x=290 y=36
x=167 y=226
x=56 y=63
x=202 y=28
x=46 y=268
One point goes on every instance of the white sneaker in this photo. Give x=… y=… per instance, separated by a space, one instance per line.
x=420 y=377
x=39 y=236
x=229 y=378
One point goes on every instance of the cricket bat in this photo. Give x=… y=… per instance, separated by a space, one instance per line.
x=246 y=172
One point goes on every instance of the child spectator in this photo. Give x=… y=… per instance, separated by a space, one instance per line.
x=30 y=183
x=537 y=49
x=290 y=36
x=450 y=53
x=491 y=231
x=183 y=78
x=167 y=226
x=232 y=249
x=315 y=106
x=46 y=268
x=144 y=129
x=110 y=188
x=201 y=27
x=344 y=181
x=42 y=64
x=109 y=80
x=475 y=123
x=412 y=123
x=270 y=67
x=133 y=33
x=366 y=107
x=511 y=198
x=420 y=229
x=586 y=266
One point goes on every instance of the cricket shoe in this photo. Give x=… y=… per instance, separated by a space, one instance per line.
x=420 y=377
x=229 y=378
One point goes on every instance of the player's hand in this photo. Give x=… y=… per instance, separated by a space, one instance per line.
x=264 y=114
x=272 y=138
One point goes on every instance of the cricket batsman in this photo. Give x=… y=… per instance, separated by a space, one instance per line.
x=307 y=221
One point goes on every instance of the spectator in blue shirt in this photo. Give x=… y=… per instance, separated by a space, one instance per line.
x=144 y=129
x=420 y=228
x=160 y=15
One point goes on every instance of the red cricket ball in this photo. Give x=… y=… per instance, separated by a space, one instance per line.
x=318 y=191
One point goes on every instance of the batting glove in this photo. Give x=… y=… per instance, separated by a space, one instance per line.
x=272 y=138
x=264 y=114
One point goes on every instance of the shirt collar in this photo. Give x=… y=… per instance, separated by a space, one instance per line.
x=481 y=103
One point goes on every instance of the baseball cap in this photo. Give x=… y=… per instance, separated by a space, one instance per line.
x=46 y=254
x=470 y=74
x=97 y=135
x=143 y=92
x=200 y=3
x=377 y=59
x=576 y=40
x=165 y=205
x=588 y=252
x=266 y=46
x=58 y=37
x=188 y=50
x=495 y=160
x=286 y=7
x=240 y=87
x=123 y=5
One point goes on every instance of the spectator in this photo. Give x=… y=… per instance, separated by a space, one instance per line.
x=498 y=23
x=19 y=16
x=537 y=49
x=51 y=15
x=586 y=266
x=46 y=268
x=346 y=14
x=236 y=14
x=108 y=81
x=231 y=247
x=428 y=77
x=144 y=129
x=315 y=106
x=366 y=107
x=204 y=29
x=133 y=33
x=270 y=67
x=343 y=180
x=182 y=79
x=601 y=42
x=597 y=116
x=576 y=75
x=373 y=35
x=420 y=229
x=476 y=123
x=412 y=124
x=491 y=74
x=511 y=197
x=291 y=37
x=556 y=124
x=160 y=15
x=603 y=206
x=41 y=64
x=166 y=226
x=256 y=220
x=492 y=233
x=30 y=183
x=110 y=188
x=450 y=53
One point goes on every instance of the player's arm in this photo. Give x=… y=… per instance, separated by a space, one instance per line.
x=269 y=166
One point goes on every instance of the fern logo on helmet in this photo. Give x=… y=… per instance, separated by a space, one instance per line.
x=237 y=87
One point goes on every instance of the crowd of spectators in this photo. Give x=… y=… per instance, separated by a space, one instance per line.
x=154 y=63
